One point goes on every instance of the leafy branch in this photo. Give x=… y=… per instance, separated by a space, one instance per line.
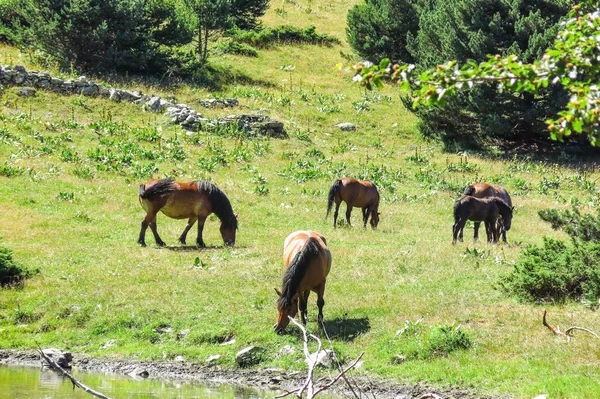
x=573 y=62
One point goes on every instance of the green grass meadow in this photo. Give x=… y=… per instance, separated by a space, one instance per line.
x=70 y=168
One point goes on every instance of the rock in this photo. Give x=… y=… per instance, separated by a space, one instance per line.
x=138 y=372
x=109 y=343
x=230 y=342
x=325 y=358
x=346 y=126
x=90 y=90
x=398 y=359
x=56 y=82
x=287 y=350
x=211 y=360
x=63 y=359
x=27 y=92
x=183 y=333
x=114 y=94
x=249 y=356
x=179 y=358
x=20 y=68
x=154 y=104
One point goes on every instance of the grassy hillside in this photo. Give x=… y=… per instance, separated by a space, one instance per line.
x=69 y=172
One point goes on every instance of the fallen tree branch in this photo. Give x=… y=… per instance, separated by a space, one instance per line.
x=309 y=385
x=568 y=332
x=75 y=382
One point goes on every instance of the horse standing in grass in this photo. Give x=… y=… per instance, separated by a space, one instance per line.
x=307 y=261
x=484 y=190
x=481 y=210
x=359 y=193
x=193 y=201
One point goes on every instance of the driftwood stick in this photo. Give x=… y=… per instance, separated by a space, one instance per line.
x=568 y=332
x=70 y=377
x=309 y=385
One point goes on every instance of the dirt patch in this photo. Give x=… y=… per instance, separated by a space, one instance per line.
x=273 y=379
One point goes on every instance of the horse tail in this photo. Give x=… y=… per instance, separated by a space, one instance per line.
x=470 y=190
x=157 y=190
x=336 y=189
x=297 y=269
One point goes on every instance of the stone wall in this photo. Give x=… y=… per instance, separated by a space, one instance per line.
x=180 y=113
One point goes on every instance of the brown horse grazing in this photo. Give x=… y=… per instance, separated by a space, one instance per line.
x=481 y=210
x=359 y=193
x=484 y=190
x=307 y=261
x=193 y=201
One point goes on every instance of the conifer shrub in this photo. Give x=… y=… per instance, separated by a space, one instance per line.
x=11 y=272
x=285 y=34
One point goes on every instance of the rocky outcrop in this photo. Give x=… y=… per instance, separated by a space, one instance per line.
x=181 y=114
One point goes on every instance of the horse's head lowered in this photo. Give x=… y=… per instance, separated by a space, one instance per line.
x=375 y=219
x=285 y=308
x=228 y=230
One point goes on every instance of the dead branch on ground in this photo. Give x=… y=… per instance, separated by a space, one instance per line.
x=568 y=332
x=312 y=360
x=75 y=382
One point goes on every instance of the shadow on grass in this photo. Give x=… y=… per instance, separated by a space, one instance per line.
x=194 y=248
x=347 y=329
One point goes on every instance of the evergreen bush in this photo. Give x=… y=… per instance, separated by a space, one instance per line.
x=11 y=272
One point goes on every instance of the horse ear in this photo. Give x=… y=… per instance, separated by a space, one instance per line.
x=236 y=215
x=512 y=208
x=278 y=292
x=379 y=213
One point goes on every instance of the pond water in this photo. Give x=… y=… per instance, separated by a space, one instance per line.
x=35 y=383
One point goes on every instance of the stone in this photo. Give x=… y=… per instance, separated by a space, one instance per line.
x=63 y=359
x=56 y=82
x=249 y=356
x=346 y=126
x=153 y=104
x=115 y=95
x=109 y=343
x=138 y=372
x=90 y=90
x=287 y=350
x=211 y=360
x=27 y=92
x=183 y=333
x=179 y=358
x=230 y=342
x=20 y=68
x=324 y=358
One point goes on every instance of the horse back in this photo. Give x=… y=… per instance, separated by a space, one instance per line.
x=319 y=266
x=359 y=193
x=480 y=190
x=503 y=195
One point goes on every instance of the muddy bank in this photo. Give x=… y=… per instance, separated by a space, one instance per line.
x=274 y=379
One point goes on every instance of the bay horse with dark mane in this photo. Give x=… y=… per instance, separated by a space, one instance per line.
x=484 y=190
x=307 y=261
x=359 y=193
x=193 y=201
x=481 y=210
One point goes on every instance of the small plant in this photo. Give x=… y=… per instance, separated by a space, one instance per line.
x=418 y=157
x=11 y=272
x=84 y=172
x=7 y=170
x=64 y=196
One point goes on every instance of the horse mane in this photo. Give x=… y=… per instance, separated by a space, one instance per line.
x=296 y=271
x=158 y=189
x=219 y=203
x=499 y=201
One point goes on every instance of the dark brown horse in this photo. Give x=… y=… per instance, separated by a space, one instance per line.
x=359 y=193
x=484 y=190
x=193 y=201
x=307 y=261
x=481 y=210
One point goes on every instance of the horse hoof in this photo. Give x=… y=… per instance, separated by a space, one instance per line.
x=142 y=244
x=161 y=244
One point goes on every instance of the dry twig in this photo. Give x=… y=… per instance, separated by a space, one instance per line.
x=568 y=332
x=75 y=382
x=309 y=385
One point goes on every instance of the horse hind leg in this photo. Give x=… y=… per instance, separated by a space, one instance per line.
x=320 y=302
x=188 y=226
x=335 y=214
x=157 y=238
x=476 y=231
x=366 y=213
x=303 y=304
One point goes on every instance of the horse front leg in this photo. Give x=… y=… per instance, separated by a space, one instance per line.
x=336 y=213
x=188 y=226
x=490 y=229
x=199 y=240
x=303 y=305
